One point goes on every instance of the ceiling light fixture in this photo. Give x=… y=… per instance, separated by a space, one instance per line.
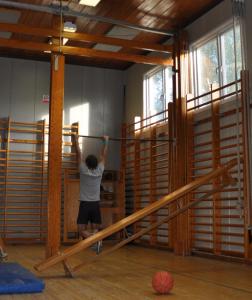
x=89 y=2
x=70 y=27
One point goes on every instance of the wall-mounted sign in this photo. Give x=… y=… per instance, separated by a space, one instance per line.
x=46 y=99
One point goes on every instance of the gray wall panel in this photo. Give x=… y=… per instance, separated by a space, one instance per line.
x=134 y=91
x=94 y=95
x=113 y=111
x=5 y=83
x=213 y=19
x=23 y=86
x=42 y=88
x=73 y=92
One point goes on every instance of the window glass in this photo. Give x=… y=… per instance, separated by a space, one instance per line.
x=228 y=57
x=158 y=92
x=168 y=85
x=207 y=68
x=230 y=62
x=215 y=63
x=238 y=50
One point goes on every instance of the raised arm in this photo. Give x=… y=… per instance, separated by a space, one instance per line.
x=104 y=149
x=77 y=147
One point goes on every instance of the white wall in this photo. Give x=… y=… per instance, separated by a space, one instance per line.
x=24 y=82
x=22 y=85
x=217 y=16
x=134 y=91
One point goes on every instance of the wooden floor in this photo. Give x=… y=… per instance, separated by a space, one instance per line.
x=126 y=274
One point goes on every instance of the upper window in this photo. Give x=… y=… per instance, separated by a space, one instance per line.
x=217 y=61
x=157 y=92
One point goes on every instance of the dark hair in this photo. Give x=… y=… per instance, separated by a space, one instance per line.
x=91 y=161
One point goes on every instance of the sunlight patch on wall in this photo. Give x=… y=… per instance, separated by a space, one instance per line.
x=137 y=121
x=80 y=114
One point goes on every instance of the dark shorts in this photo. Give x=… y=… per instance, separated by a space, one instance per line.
x=89 y=211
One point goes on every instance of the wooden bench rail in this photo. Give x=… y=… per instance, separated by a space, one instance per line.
x=171 y=198
x=152 y=226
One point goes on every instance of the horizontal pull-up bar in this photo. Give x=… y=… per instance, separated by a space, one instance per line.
x=127 y=139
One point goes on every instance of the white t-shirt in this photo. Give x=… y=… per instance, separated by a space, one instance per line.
x=90 y=182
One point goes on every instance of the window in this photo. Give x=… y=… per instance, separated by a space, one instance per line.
x=217 y=61
x=157 y=92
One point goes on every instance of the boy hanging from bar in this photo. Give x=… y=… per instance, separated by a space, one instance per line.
x=91 y=171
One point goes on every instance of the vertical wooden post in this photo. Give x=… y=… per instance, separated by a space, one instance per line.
x=215 y=109
x=245 y=105
x=171 y=175
x=182 y=228
x=153 y=187
x=54 y=155
x=122 y=178
x=41 y=155
x=174 y=69
x=137 y=196
x=181 y=245
x=122 y=174
x=190 y=173
x=7 y=157
x=74 y=130
x=173 y=164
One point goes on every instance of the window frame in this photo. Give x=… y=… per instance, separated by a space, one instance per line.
x=215 y=34
x=146 y=97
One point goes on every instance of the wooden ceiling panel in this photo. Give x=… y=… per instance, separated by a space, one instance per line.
x=166 y=15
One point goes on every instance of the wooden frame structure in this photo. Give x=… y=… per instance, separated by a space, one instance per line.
x=23 y=189
x=172 y=198
x=142 y=163
x=157 y=161
x=58 y=34
x=216 y=125
x=23 y=178
x=58 y=50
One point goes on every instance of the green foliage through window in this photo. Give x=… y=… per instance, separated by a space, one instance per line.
x=217 y=62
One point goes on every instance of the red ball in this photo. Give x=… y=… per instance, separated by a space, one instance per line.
x=162 y=282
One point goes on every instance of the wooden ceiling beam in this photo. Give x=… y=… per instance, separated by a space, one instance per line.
x=86 y=52
x=48 y=32
x=151 y=60
x=118 y=42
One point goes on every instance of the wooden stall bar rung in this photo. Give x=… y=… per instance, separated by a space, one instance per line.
x=133 y=218
x=143 y=231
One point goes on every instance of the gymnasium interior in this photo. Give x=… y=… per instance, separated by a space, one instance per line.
x=169 y=82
